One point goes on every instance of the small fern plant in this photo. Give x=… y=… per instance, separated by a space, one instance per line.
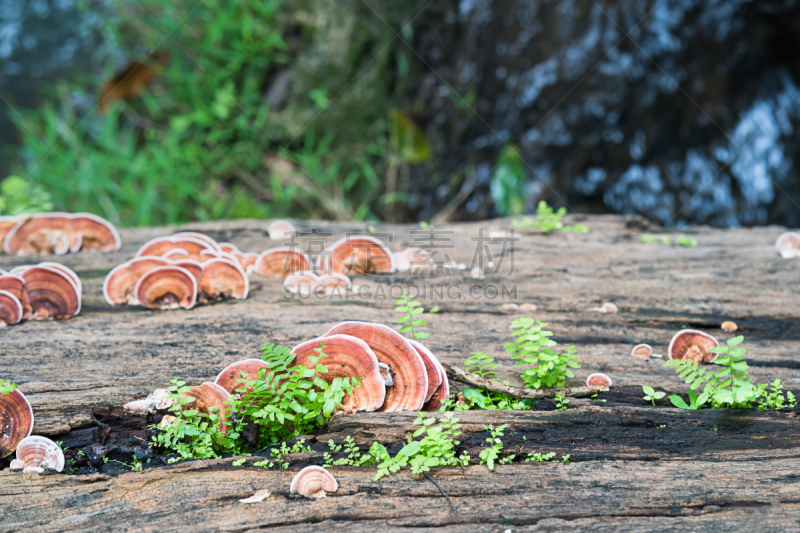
x=728 y=386
x=534 y=348
x=412 y=308
x=480 y=363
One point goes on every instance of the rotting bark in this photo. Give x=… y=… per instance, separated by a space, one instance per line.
x=633 y=467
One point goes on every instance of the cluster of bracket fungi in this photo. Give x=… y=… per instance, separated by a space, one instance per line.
x=57 y=234
x=178 y=272
x=34 y=453
x=45 y=290
x=397 y=374
x=691 y=344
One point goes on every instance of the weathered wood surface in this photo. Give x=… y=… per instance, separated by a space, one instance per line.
x=631 y=474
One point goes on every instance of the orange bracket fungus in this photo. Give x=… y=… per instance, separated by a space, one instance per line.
x=52 y=293
x=359 y=254
x=251 y=367
x=608 y=307
x=441 y=393
x=7 y=223
x=16 y=421
x=39 y=454
x=434 y=377
x=644 y=351
x=195 y=268
x=729 y=326
x=334 y=283
x=166 y=287
x=598 y=380
x=280 y=229
x=413 y=258
x=10 y=309
x=16 y=286
x=212 y=244
x=211 y=398
x=162 y=245
x=303 y=282
x=407 y=368
x=313 y=482
x=693 y=345
x=280 y=262
x=347 y=357
x=60 y=233
x=118 y=287
x=788 y=244
x=223 y=278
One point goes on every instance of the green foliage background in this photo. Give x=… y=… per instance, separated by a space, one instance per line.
x=201 y=141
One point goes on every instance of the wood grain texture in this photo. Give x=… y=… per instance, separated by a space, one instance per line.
x=635 y=468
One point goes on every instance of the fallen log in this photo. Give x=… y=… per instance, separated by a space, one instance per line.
x=456 y=373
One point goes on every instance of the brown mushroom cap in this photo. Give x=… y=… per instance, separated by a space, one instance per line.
x=166 y=287
x=40 y=454
x=643 y=351
x=66 y=270
x=729 y=326
x=692 y=344
x=119 y=285
x=161 y=245
x=280 y=262
x=14 y=284
x=416 y=258
x=347 y=357
x=788 y=244
x=94 y=233
x=434 y=377
x=280 y=229
x=408 y=369
x=210 y=397
x=227 y=378
x=49 y=233
x=10 y=309
x=51 y=292
x=313 y=482
x=302 y=282
x=16 y=421
x=598 y=380
x=334 y=283
x=360 y=254
x=223 y=278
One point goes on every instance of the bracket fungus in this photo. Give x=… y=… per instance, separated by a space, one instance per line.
x=644 y=351
x=60 y=233
x=729 y=326
x=7 y=223
x=52 y=293
x=195 y=268
x=212 y=244
x=119 y=285
x=10 y=309
x=16 y=421
x=163 y=245
x=334 y=283
x=408 y=370
x=313 y=482
x=280 y=262
x=692 y=344
x=441 y=393
x=16 y=286
x=359 y=254
x=598 y=380
x=223 y=278
x=166 y=287
x=608 y=307
x=416 y=258
x=251 y=367
x=280 y=229
x=434 y=377
x=303 y=282
x=348 y=357
x=788 y=244
x=211 y=398
x=39 y=454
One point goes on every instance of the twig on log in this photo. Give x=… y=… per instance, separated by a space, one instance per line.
x=440 y=490
x=457 y=374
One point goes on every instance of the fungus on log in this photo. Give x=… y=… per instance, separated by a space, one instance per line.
x=280 y=262
x=16 y=421
x=313 y=482
x=119 y=285
x=39 y=454
x=166 y=287
x=52 y=293
x=359 y=254
x=692 y=344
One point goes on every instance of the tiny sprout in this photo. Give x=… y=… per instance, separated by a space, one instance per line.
x=651 y=395
x=238 y=462
x=561 y=401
